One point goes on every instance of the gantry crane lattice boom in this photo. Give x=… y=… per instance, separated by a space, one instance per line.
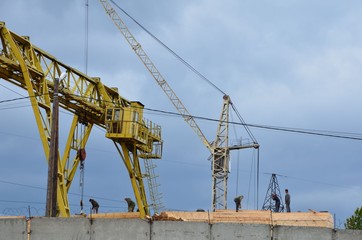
x=90 y=102
x=219 y=149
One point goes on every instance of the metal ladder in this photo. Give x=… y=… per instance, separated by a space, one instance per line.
x=155 y=195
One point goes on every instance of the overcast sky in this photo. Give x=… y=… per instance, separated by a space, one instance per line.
x=286 y=63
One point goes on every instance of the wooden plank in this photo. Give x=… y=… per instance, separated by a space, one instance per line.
x=116 y=215
x=308 y=219
x=305 y=219
x=12 y=217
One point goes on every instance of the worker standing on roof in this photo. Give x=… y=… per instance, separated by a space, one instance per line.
x=287 y=200
x=277 y=202
x=95 y=205
x=130 y=204
x=237 y=201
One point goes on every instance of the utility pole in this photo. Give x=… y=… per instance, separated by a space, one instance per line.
x=51 y=203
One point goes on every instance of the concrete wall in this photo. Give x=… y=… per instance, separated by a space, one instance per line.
x=59 y=228
x=348 y=235
x=173 y=230
x=301 y=233
x=136 y=229
x=221 y=231
x=13 y=228
x=120 y=229
x=86 y=229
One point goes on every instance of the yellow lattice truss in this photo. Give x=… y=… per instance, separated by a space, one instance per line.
x=90 y=102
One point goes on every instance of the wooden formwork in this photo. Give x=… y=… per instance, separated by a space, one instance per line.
x=116 y=215
x=305 y=219
x=302 y=219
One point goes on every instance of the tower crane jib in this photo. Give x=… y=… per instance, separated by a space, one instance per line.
x=137 y=48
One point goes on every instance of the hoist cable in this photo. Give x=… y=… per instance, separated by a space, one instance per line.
x=243 y=123
x=237 y=175
x=82 y=130
x=86 y=37
x=257 y=177
x=238 y=159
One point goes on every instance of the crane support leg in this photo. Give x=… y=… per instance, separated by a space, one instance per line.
x=36 y=96
x=131 y=161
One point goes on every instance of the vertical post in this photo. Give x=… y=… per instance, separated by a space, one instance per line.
x=257 y=179
x=51 y=203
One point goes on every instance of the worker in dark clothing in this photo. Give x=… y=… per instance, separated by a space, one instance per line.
x=237 y=201
x=277 y=202
x=287 y=200
x=95 y=205
x=130 y=204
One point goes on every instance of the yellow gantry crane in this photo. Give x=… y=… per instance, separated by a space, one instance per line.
x=90 y=102
x=219 y=148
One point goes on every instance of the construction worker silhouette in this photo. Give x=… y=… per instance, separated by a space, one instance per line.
x=95 y=205
x=287 y=200
x=237 y=201
x=277 y=202
x=130 y=204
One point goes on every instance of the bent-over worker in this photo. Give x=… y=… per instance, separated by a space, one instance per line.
x=237 y=201
x=130 y=204
x=277 y=202
x=95 y=205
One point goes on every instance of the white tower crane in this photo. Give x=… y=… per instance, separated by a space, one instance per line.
x=219 y=148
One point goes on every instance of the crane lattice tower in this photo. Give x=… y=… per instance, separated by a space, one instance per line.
x=269 y=203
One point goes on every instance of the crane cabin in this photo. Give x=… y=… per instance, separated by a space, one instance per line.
x=127 y=124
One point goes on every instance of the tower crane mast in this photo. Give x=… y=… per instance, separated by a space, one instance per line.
x=219 y=148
